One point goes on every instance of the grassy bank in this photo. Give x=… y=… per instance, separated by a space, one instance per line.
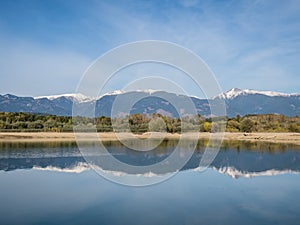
x=291 y=138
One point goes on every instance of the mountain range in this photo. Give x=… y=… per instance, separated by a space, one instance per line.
x=238 y=102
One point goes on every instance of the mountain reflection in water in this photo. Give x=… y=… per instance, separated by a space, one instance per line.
x=236 y=159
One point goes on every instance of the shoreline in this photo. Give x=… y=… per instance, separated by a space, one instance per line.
x=287 y=138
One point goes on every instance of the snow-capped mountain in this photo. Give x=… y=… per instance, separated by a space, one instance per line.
x=237 y=101
x=74 y=97
x=235 y=92
x=118 y=92
x=247 y=101
x=78 y=97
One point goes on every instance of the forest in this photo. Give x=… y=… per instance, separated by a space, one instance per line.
x=140 y=123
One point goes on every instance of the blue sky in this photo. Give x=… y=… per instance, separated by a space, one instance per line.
x=45 y=46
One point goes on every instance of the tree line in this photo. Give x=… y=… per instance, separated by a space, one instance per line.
x=140 y=123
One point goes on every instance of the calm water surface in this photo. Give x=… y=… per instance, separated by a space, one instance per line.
x=246 y=184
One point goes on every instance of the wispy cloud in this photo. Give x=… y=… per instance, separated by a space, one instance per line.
x=244 y=39
x=248 y=44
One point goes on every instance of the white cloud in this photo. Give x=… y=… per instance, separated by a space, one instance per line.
x=248 y=44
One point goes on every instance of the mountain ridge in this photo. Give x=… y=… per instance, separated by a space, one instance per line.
x=229 y=94
x=235 y=92
x=238 y=102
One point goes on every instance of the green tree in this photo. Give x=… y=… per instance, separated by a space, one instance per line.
x=247 y=125
x=294 y=127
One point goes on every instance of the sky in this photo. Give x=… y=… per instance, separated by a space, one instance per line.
x=46 y=46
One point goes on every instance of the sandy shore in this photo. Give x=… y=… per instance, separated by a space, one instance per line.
x=292 y=138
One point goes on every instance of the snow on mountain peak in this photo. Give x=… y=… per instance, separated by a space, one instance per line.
x=148 y=91
x=76 y=97
x=231 y=94
x=118 y=92
x=234 y=92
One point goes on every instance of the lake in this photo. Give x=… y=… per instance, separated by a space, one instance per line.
x=247 y=183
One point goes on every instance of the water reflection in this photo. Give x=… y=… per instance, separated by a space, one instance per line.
x=236 y=159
